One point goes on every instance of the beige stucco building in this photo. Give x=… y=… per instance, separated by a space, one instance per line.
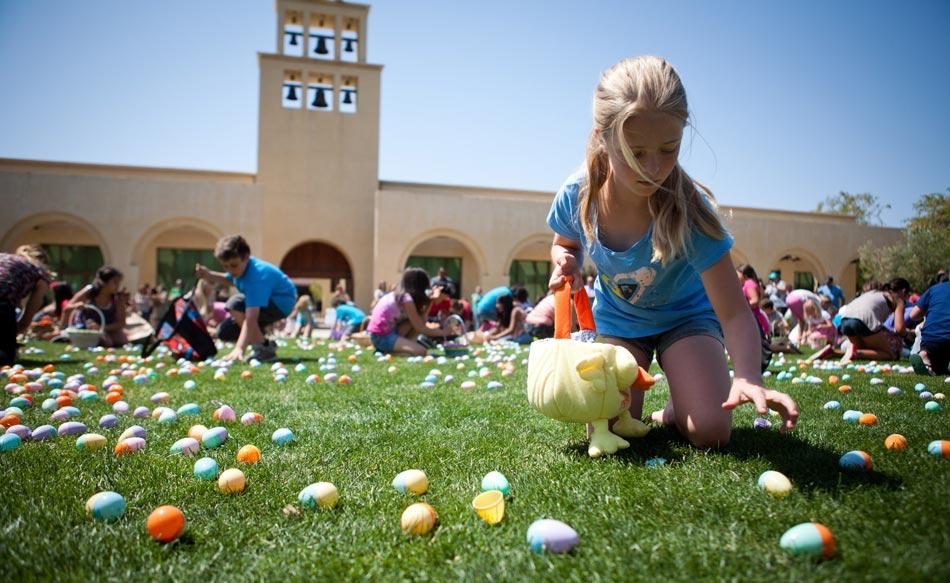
x=316 y=205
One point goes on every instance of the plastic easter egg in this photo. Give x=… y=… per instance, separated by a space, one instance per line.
x=761 y=423
x=165 y=523
x=21 y=402
x=851 y=416
x=832 y=379
x=312 y=379
x=189 y=409
x=775 y=483
x=419 y=518
x=224 y=413
x=331 y=377
x=492 y=385
x=190 y=384
x=129 y=445
x=197 y=431
x=832 y=405
x=231 y=481
x=206 y=469
x=90 y=442
x=58 y=415
x=214 y=437
x=939 y=396
x=167 y=417
x=251 y=418
x=282 y=436
x=920 y=387
x=468 y=385
x=427 y=385
x=108 y=421
x=10 y=441
x=43 y=432
x=185 y=446
x=926 y=395
x=133 y=431
x=22 y=431
x=895 y=442
x=319 y=495
x=894 y=391
x=868 y=419
x=71 y=428
x=161 y=398
x=856 y=460
x=939 y=448
x=346 y=380
x=496 y=481
x=877 y=381
x=809 y=539
x=932 y=406
x=431 y=379
x=553 y=536
x=249 y=454
x=141 y=413
x=412 y=482
x=105 y=506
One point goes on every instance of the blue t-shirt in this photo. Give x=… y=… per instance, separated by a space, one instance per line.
x=262 y=283
x=350 y=314
x=936 y=305
x=834 y=292
x=486 y=306
x=636 y=297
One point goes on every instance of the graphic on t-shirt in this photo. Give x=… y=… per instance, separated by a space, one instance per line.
x=631 y=285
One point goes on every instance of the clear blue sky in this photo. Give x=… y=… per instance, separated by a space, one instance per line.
x=792 y=100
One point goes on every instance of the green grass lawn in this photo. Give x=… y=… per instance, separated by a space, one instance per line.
x=698 y=517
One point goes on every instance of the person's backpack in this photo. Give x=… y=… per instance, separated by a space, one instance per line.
x=183 y=331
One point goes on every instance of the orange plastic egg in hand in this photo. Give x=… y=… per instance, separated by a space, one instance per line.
x=895 y=442
x=165 y=523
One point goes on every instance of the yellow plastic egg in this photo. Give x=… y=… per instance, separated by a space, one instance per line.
x=419 y=518
x=231 y=481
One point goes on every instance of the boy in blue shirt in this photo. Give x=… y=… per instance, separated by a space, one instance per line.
x=934 y=353
x=266 y=295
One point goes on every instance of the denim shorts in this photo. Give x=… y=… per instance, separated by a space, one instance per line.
x=384 y=342
x=853 y=327
x=702 y=325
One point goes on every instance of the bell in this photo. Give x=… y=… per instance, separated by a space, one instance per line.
x=293 y=38
x=291 y=93
x=348 y=96
x=321 y=48
x=320 y=98
x=348 y=44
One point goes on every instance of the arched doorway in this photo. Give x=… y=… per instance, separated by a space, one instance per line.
x=317 y=268
x=74 y=247
x=167 y=252
x=798 y=268
x=446 y=250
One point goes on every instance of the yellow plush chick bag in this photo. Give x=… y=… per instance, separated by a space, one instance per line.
x=585 y=382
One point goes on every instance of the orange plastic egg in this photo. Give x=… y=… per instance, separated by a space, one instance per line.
x=165 y=523
x=249 y=454
x=868 y=419
x=9 y=420
x=246 y=374
x=833 y=380
x=844 y=389
x=113 y=397
x=895 y=442
x=64 y=401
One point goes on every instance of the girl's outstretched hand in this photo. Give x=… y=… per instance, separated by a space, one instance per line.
x=566 y=268
x=744 y=392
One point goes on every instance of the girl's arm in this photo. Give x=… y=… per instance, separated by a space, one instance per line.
x=743 y=343
x=566 y=255
x=495 y=335
x=419 y=322
x=121 y=300
x=79 y=299
x=899 y=327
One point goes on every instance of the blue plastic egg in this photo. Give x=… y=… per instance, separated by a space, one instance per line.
x=920 y=387
x=106 y=506
x=856 y=460
x=190 y=384
x=206 y=469
x=108 y=421
x=189 y=409
x=552 y=536
x=932 y=406
x=831 y=405
x=810 y=539
x=71 y=428
x=9 y=441
x=496 y=481
x=282 y=436
x=43 y=432
x=167 y=417
x=851 y=416
x=214 y=437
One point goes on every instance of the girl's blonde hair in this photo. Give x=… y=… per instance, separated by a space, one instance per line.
x=37 y=256
x=680 y=204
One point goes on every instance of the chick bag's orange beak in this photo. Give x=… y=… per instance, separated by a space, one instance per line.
x=644 y=380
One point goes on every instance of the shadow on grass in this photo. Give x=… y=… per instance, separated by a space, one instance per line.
x=808 y=466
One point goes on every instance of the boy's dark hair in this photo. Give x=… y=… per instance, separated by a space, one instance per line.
x=766 y=304
x=415 y=282
x=521 y=294
x=507 y=306
x=897 y=284
x=230 y=247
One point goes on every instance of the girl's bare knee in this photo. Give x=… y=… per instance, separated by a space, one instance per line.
x=710 y=437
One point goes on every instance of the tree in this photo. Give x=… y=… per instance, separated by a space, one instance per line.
x=924 y=251
x=864 y=206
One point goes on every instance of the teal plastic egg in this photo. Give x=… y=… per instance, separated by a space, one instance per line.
x=9 y=441
x=206 y=469
x=282 y=436
x=851 y=416
x=185 y=446
x=809 y=539
x=214 y=437
x=106 y=506
x=496 y=481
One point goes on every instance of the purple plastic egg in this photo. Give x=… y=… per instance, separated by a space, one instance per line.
x=108 y=421
x=552 y=536
x=22 y=430
x=120 y=407
x=60 y=415
x=141 y=413
x=43 y=432
x=761 y=423
x=133 y=431
x=72 y=428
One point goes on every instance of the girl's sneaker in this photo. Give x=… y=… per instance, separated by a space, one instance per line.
x=264 y=352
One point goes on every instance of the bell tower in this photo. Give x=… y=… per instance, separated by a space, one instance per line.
x=318 y=136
